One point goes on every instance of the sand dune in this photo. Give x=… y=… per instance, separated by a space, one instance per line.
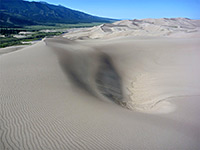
x=164 y=27
x=116 y=92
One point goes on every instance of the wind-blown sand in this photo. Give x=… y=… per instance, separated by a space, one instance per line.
x=115 y=92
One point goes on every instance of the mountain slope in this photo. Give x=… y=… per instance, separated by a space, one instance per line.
x=19 y=12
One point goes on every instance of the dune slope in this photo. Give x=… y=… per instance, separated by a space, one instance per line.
x=164 y=27
x=118 y=93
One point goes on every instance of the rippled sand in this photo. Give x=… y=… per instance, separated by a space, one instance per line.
x=117 y=93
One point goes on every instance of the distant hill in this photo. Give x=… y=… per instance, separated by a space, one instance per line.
x=15 y=13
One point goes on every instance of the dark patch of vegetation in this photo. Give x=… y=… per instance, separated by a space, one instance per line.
x=10 y=40
x=10 y=31
x=60 y=26
x=34 y=28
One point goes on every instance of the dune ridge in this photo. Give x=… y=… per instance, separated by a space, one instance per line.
x=164 y=27
x=64 y=94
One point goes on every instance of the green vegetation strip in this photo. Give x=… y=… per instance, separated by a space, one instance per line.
x=60 y=26
x=11 y=41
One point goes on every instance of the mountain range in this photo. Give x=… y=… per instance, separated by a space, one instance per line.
x=15 y=13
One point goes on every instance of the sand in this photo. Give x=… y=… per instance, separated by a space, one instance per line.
x=122 y=92
x=164 y=27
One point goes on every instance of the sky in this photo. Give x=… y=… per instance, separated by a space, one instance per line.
x=131 y=9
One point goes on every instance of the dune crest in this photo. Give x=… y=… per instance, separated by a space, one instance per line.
x=61 y=92
x=164 y=27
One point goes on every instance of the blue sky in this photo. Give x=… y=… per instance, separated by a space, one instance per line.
x=130 y=9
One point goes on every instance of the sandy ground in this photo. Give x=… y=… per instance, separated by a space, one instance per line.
x=16 y=48
x=117 y=93
x=11 y=49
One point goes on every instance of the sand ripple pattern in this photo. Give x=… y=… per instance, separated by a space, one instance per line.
x=41 y=108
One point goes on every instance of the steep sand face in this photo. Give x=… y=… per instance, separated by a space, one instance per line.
x=63 y=94
x=153 y=70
